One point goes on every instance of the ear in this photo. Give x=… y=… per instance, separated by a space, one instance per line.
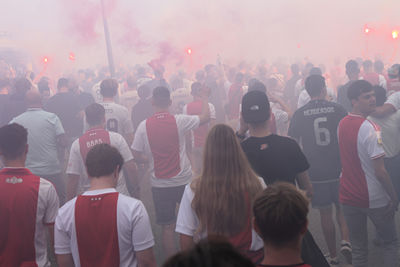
x=304 y=228
x=255 y=226
x=26 y=149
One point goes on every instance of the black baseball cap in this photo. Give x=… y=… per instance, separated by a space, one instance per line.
x=255 y=107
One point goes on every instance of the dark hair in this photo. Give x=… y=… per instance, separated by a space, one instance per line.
x=315 y=71
x=380 y=95
x=22 y=85
x=256 y=85
x=314 y=85
x=294 y=68
x=102 y=160
x=143 y=91
x=161 y=97
x=62 y=82
x=214 y=251
x=357 y=88
x=378 y=66
x=280 y=213
x=95 y=113
x=367 y=64
x=109 y=88
x=43 y=85
x=131 y=82
x=13 y=140
x=352 y=67
x=196 y=88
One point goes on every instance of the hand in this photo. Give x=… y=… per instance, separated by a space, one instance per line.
x=391 y=208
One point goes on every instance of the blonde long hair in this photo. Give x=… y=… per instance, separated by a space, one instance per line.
x=224 y=192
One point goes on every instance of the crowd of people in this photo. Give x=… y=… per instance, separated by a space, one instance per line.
x=233 y=157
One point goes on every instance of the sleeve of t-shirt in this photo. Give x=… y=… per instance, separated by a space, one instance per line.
x=184 y=110
x=294 y=129
x=212 y=111
x=298 y=159
x=52 y=205
x=394 y=100
x=75 y=159
x=62 y=239
x=142 y=236
x=187 y=222
x=140 y=137
x=123 y=148
x=370 y=138
x=186 y=122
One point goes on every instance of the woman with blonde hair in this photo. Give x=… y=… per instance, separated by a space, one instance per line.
x=219 y=201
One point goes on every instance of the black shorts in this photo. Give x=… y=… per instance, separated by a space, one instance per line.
x=325 y=194
x=165 y=200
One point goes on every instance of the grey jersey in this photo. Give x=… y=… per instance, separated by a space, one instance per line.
x=117 y=118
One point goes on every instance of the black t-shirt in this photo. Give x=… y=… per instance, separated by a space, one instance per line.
x=65 y=105
x=315 y=125
x=275 y=158
x=141 y=111
x=293 y=265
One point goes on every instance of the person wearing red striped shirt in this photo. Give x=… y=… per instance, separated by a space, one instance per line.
x=366 y=190
x=102 y=227
x=28 y=204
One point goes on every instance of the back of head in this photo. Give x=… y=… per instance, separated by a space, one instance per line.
x=196 y=89
x=131 y=82
x=161 y=97
x=62 y=83
x=109 y=88
x=143 y=91
x=352 y=68
x=315 y=71
x=380 y=95
x=211 y=252
x=103 y=160
x=13 y=140
x=33 y=99
x=394 y=71
x=294 y=68
x=256 y=85
x=367 y=65
x=255 y=107
x=314 y=85
x=280 y=213
x=378 y=66
x=219 y=200
x=357 y=88
x=95 y=114
x=22 y=85
x=43 y=85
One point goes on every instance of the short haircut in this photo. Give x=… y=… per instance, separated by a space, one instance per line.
x=95 y=114
x=315 y=71
x=143 y=91
x=380 y=95
x=102 y=160
x=22 y=85
x=196 y=88
x=378 y=66
x=131 y=81
x=13 y=140
x=357 y=88
x=257 y=86
x=314 y=85
x=62 y=83
x=161 y=97
x=352 y=67
x=109 y=88
x=214 y=251
x=367 y=65
x=280 y=213
x=43 y=85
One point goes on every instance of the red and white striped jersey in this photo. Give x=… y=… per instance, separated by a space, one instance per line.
x=103 y=228
x=28 y=204
x=162 y=138
x=360 y=143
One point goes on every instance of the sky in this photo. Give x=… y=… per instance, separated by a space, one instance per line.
x=234 y=30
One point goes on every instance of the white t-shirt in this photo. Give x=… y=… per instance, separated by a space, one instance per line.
x=394 y=100
x=132 y=222
x=184 y=124
x=118 y=118
x=187 y=222
x=77 y=166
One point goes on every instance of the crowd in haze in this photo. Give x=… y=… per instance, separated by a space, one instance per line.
x=233 y=157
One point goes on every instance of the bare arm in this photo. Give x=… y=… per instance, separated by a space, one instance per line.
x=205 y=110
x=146 y=258
x=304 y=183
x=384 y=179
x=65 y=260
x=384 y=110
x=129 y=138
x=186 y=241
x=72 y=185
x=132 y=177
x=283 y=105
